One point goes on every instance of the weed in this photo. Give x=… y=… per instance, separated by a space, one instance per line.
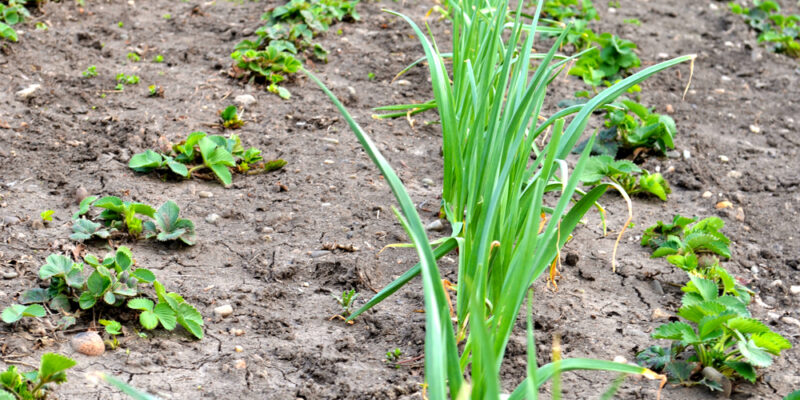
x=158 y=59
x=606 y=63
x=393 y=356
x=632 y=21
x=112 y=281
x=230 y=118
x=346 y=301
x=272 y=64
x=132 y=56
x=167 y=16
x=33 y=385
x=371 y=76
x=41 y=26
x=90 y=72
x=47 y=215
x=201 y=151
x=123 y=78
x=632 y=178
x=114 y=329
x=155 y=91
x=120 y=24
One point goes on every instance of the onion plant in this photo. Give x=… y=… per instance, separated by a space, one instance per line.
x=495 y=180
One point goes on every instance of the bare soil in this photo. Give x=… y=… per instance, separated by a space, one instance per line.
x=264 y=255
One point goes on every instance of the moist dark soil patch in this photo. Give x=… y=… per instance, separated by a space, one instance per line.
x=263 y=255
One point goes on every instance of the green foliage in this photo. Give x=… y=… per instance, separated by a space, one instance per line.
x=112 y=281
x=12 y=13
x=781 y=32
x=230 y=118
x=201 y=151
x=158 y=59
x=498 y=182
x=119 y=215
x=47 y=215
x=632 y=178
x=125 y=79
x=393 y=356
x=91 y=72
x=347 y=300
x=630 y=125
x=32 y=385
x=683 y=237
x=288 y=34
x=721 y=334
x=134 y=57
x=607 y=62
x=132 y=392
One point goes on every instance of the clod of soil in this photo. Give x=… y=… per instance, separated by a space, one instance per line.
x=89 y=343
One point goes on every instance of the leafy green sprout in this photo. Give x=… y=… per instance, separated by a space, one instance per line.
x=155 y=91
x=123 y=78
x=347 y=301
x=393 y=356
x=371 y=76
x=120 y=24
x=91 y=71
x=632 y=21
x=114 y=329
x=230 y=118
x=41 y=26
x=133 y=56
x=158 y=59
x=167 y=16
x=47 y=215
x=15 y=385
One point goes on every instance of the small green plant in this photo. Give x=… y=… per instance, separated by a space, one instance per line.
x=393 y=356
x=201 y=151
x=607 y=62
x=632 y=178
x=158 y=59
x=113 y=282
x=155 y=91
x=167 y=16
x=630 y=126
x=120 y=24
x=114 y=329
x=32 y=385
x=90 y=72
x=134 y=57
x=122 y=78
x=721 y=334
x=632 y=21
x=230 y=118
x=685 y=236
x=371 y=76
x=289 y=31
x=124 y=216
x=12 y=13
x=346 y=301
x=782 y=32
x=47 y=215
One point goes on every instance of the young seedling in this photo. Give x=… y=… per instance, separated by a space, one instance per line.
x=155 y=91
x=171 y=310
x=782 y=32
x=346 y=301
x=158 y=59
x=230 y=118
x=166 y=225
x=47 y=215
x=134 y=57
x=114 y=329
x=90 y=72
x=393 y=356
x=15 y=385
x=125 y=79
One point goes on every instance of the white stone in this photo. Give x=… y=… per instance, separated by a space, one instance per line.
x=244 y=100
x=223 y=311
x=28 y=91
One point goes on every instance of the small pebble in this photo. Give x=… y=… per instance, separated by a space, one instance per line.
x=657 y=287
x=244 y=99
x=89 y=343
x=267 y=230
x=755 y=129
x=795 y=289
x=659 y=314
x=734 y=174
x=329 y=162
x=28 y=91
x=673 y=154
x=37 y=224
x=723 y=204
x=670 y=109
x=239 y=364
x=80 y=194
x=10 y=220
x=687 y=155
x=791 y=321
x=319 y=253
x=427 y=182
x=739 y=214
x=10 y=275
x=212 y=218
x=403 y=82
x=723 y=159
x=620 y=359
x=238 y=349
x=223 y=311
x=203 y=194
x=237 y=332
x=435 y=226
x=707 y=194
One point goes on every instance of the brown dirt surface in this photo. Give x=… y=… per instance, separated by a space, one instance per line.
x=264 y=256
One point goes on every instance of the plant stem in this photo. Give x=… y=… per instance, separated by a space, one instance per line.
x=201 y=166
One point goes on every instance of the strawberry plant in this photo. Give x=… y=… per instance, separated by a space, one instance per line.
x=683 y=236
x=12 y=13
x=782 y=32
x=607 y=62
x=91 y=72
x=230 y=118
x=288 y=33
x=708 y=267
x=632 y=178
x=201 y=151
x=16 y=385
x=721 y=335
x=631 y=126
x=114 y=282
x=120 y=216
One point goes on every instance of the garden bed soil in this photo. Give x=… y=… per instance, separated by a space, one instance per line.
x=264 y=255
